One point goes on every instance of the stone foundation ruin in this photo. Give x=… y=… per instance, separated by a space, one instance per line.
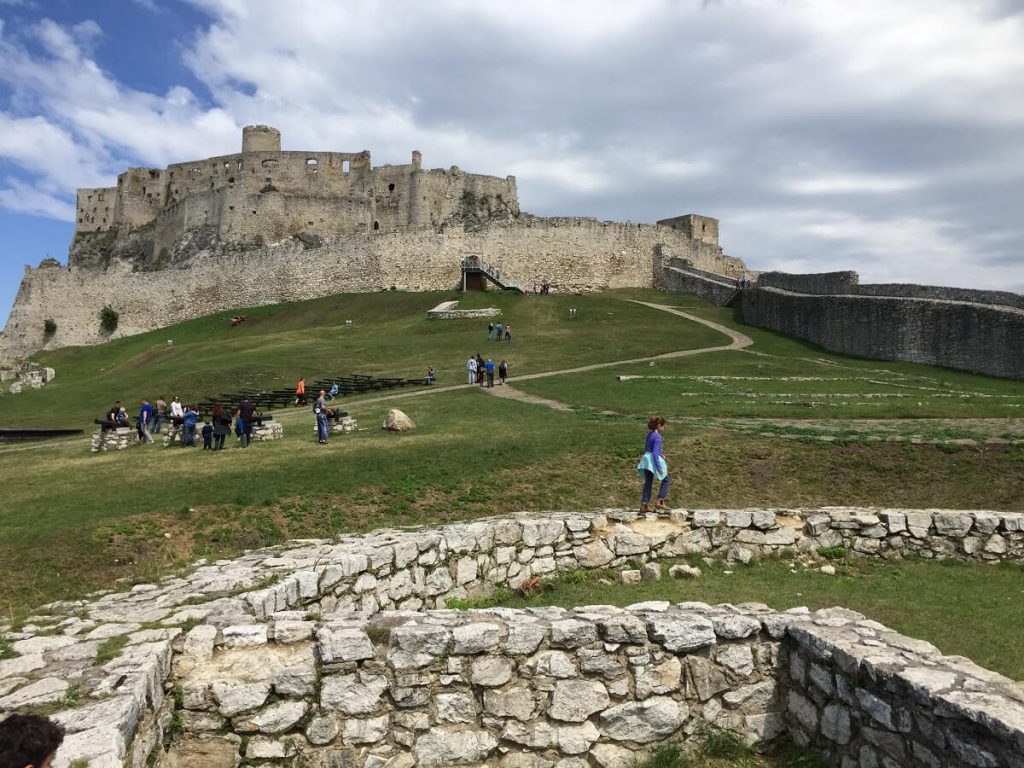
x=336 y=653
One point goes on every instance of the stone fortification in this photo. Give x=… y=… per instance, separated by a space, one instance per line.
x=680 y=276
x=978 y=331
x=318 y=648
x=266 y=226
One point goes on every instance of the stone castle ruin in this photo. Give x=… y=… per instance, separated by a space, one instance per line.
x=341 y=654
x=266 y=226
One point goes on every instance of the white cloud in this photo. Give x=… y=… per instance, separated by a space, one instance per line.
x=899 y=123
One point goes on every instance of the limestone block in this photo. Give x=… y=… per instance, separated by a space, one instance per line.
x=738 y=659
x=762 y=519
x=630 y=577
x=397 y=421
x=352 y=694
x=490 y=671
x=625 y=543
x=682 y=632
x=369 y=731
x=209 y=751
x=576 y=739
x=735 y=626
x=515 y=702
x=572 y=633
x=953 y=524
x=660 y=678
x=645 y=721
x=738 y=518
x=455 y=707
x=683 y=571
x=445 y=746
x=650 y=572
x=275 y=718
x=575 y=700
x=234 y=698
x=45 y=691
x=552 y=664
x=245 y=636
x=524 y=639
x=343 y=644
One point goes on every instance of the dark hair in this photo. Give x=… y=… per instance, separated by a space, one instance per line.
x=654 y=422
x=28 y=740
x=218 y=409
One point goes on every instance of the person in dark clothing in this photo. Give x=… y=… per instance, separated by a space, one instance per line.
x=221 y=424
x=502 y=372
x=207 y=436
x=29 y=741
x=245 y=413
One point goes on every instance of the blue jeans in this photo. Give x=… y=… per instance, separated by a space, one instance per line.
x=188 y=435
x=321 y=427
x=648 y=482
x=157 y=418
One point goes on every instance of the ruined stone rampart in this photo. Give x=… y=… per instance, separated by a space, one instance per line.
x=294 y=649
x=568 y=254
x=978 y=331
x=680 y=276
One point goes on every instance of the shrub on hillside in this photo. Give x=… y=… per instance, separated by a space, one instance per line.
x=49 y=326
x=108 y=318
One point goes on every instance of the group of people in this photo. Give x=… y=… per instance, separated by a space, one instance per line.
x=495 y=332
x=480 y=371
x=214 y=431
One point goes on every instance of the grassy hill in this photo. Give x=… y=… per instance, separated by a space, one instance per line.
x=72 y=521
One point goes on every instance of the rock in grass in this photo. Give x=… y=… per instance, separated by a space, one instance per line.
x=682 y=571
x=650 y=572
x=828 y=569
x=397 y=421
x=629 y=577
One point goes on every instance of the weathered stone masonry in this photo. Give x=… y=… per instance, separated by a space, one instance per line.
x=978 y=331
x=310 y=663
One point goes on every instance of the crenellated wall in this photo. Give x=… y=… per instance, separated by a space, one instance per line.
x=335 y=649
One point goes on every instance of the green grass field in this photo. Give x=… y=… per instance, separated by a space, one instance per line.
x=72 y=522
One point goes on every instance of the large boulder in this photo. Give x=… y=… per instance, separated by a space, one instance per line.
x=397 y=421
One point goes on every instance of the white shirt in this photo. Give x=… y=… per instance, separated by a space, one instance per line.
x=471 y=365
x=176 y=409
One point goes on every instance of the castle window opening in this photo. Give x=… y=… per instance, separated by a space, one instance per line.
x=376 y=225
x=238 y=167
x=391 y=187
x=312 y=163
x=227 y=166
x=345 y=166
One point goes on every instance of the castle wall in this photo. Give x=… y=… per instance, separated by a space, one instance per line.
x=94 y=209
x=679 y=277
x=968 y=335
x=568 y=254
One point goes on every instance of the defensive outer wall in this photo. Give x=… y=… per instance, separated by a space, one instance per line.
x=334 y=654
x=266 y=226
x=979 y=331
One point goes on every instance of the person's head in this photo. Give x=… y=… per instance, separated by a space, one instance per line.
x=175 y=398
x=160 y=397
x=29 y=741
x=144 y=401
x=117 y=403
x=655 y=423
x=323 y=392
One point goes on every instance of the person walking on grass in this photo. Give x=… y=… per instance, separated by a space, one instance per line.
x=489 y=367
x=490 y=331
x=300 y=392
x=145 y=421
x=322 y=412
x=502 y=372
x=653 y=466
x=508 y=333
x=471 y=370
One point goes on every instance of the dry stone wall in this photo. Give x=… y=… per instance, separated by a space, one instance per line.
x=253 y=641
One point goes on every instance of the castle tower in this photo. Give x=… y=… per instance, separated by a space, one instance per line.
x=260 y=138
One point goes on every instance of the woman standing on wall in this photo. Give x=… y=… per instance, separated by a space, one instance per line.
x=652 y=465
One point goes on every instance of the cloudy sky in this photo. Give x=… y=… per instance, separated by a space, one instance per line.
x=886 y=137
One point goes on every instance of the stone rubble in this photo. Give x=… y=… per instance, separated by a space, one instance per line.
x=330 y=648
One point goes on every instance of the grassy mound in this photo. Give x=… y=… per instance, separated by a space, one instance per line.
x=72 y=521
